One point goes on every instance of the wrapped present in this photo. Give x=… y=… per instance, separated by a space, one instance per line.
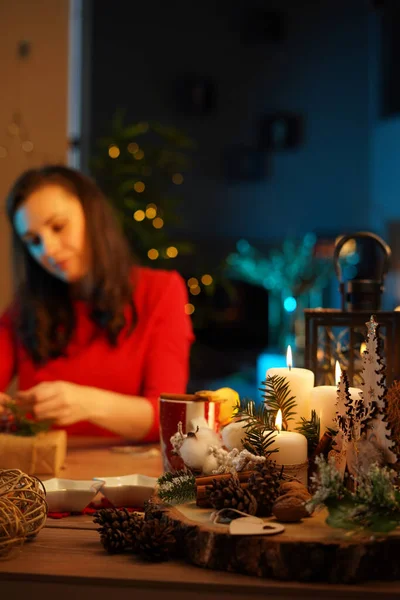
x=40 y=454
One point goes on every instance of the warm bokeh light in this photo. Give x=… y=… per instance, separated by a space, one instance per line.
x=138 y=155
x=172 y=252
x=363 y=348
x=158 y=223
x=289 y=359
x=338 y=372
x=113 y=151
x=189 y=309
x=152 y=205
x=195 y=290
x=192 y=282
x=278 y=419
x=133 y=147
x=151 y=213
x=153 y=254
x=206 y=279
x=13 y=129
x=27 y=146
x=139 y=187
x=177 y=178
x=139 y=215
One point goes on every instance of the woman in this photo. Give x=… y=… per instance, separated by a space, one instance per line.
x=92 y=338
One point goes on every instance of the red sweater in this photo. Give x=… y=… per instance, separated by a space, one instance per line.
x=153 y=359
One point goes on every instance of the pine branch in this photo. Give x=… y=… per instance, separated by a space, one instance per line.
x=276 y=394
x=259 y=427
x=23 y=425
x=310 y=428
x=177 y=487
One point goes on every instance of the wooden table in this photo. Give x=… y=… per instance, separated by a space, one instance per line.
x=66 y=559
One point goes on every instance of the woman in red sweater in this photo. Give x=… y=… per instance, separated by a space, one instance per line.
x=92 y=338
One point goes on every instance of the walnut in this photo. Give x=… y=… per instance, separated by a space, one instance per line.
x=289 y=508
x=289 y=486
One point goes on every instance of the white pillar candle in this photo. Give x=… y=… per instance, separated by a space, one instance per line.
x=323 y=400
x=292 y=448
x=301 y=382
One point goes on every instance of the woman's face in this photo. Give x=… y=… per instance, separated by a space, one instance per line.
x=51 y=224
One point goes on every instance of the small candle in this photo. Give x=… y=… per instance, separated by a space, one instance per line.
x=301 y=382
x=292 y=448
x=323 y=400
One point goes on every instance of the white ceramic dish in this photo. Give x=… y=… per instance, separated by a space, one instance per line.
x=70 y=495
x=128 y=490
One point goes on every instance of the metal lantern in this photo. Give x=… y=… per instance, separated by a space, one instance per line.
x=339 y=334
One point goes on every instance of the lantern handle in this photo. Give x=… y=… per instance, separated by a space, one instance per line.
x=360 y=234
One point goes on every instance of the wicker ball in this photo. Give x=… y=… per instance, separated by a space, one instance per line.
x=12 y=529
x=28 y=496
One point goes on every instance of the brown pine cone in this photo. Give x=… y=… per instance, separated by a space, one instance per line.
x=156 y=541
x=228 y=493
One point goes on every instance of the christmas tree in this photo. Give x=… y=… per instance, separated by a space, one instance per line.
x=372 y=412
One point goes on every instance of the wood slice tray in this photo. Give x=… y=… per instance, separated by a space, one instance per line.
x=305 y=551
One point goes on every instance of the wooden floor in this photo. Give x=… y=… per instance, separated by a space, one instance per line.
x=66 y=559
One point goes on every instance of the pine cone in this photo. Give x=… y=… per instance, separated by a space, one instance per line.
x=118 y=529
x=156 y=540
x=228 y=493
x=264 y=484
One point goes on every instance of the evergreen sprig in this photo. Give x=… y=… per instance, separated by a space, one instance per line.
x=259 y=427
x=178 y=487
x=277 y=395
x=310 y=428
x=21 y=424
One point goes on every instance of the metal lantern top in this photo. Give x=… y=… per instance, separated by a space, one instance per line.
x=361 y=294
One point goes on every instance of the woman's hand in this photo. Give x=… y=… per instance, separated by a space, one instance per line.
x=4 y=399
x=62 y=402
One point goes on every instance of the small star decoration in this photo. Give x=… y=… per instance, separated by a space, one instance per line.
x=371 y=326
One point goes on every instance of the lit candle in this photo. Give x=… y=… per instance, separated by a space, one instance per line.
x=292 y=449
x=323 y=400
x=301 y=382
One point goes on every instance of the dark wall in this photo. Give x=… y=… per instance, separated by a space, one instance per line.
x=319 y=69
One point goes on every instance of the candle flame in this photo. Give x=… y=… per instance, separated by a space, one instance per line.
x=338 y=372
x=289 y=359
x=363 y=348
x=278 y=419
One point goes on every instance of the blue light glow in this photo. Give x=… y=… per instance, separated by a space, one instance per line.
x=290 y=304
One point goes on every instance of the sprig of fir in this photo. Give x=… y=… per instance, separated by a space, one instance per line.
x=277 y=396
x=176 y=488
x=21 y=424
x=259 y=427
x=310 y=428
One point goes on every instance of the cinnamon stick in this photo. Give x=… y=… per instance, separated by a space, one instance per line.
x=208 y=479
x=183 y=397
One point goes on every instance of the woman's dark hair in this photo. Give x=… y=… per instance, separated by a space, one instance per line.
x=44 y=305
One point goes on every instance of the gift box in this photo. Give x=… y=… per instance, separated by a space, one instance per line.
x=40 y=454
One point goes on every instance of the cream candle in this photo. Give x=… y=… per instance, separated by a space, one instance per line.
x=301 y=382
x=323 y=400
x=292 y=448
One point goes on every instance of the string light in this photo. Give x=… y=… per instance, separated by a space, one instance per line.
x=177 y=178
x=206 y=279
x=195 y=290
x=139 y=215
x=193 y=282
x=150 y=212
x=139 y=187
x=132 y=147
x=153 y=254
x=113 y=151
x=189 y=309
x=158 y=223
x=138 y=155
x=172 y=252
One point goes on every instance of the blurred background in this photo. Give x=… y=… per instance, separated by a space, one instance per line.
x=236 y=140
